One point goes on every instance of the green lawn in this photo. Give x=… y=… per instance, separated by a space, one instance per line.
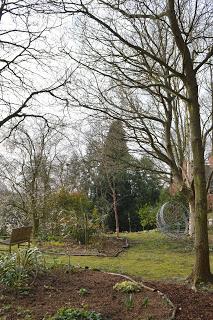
x=151 y=255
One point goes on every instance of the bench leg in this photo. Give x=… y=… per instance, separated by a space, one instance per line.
x=10 y=248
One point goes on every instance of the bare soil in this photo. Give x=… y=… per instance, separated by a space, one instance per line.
x=60 y=289
x=189 y=304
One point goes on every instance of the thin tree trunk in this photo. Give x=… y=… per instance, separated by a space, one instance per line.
x=35 y=226
x=129 y=221
x=115 y=208
x=114 y=204
x=211 y=79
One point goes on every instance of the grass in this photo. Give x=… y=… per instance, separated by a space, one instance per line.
x=210 y=215
x=151 y=255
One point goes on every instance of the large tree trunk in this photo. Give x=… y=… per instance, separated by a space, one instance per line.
x=201 y=270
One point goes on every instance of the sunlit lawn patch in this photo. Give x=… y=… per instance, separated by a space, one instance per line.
x=151 y=255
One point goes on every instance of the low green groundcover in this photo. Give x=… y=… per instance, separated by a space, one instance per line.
x=76 y=314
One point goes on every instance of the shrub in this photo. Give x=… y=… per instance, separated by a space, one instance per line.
x=17 y=269
x=82 y=234
x=148 y=217
x=72 y=216
x=127 y=286
x=76 y=314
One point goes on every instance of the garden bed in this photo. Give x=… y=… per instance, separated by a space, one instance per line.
x=60 y=289
x=93 y=290
x=102 y=246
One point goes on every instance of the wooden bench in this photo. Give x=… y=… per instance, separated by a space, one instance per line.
x=18 y=236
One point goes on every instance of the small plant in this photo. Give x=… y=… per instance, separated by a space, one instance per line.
x=82 y=292
x=18 y=268
x=49 y=287
x=24 y=312
x=76 y=314
x=127 y=286
x=6 y=307
x=129 y=302
x=85 y=306
x=24 y=291
x=145 y=302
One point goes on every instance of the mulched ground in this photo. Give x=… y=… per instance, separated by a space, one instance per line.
x=190 y=304
x=61 y=289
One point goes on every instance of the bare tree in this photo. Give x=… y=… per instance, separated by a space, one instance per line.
x=29 y=171
x=147 y=59
x=30 y=67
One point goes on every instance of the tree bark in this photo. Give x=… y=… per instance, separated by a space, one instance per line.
x=116 y=213
x=35 y=226
x=211 y=78
x=201 y=270
x=191 y=217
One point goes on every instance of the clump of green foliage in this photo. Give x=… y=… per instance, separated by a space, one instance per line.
x=76 y=314
x=147 y=216
x=82 y=292
x=127 y=286
x=19 y=268
x=74 y=216
x=129 y=302
x=145 y=302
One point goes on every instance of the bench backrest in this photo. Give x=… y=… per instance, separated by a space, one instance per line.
x=20 y=234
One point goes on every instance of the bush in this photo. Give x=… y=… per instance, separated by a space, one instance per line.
x=82 y=235
x=76 y=314
x=148 y=217
x=17 y=269
x=72 y=228
x=72 y=216
x=127 y=286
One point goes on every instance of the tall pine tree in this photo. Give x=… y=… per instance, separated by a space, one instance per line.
x=117 y=184
x=114 y=170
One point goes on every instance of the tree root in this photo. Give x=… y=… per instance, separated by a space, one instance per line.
x=196 y=283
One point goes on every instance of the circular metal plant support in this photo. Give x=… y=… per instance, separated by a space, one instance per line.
x=172 y=219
